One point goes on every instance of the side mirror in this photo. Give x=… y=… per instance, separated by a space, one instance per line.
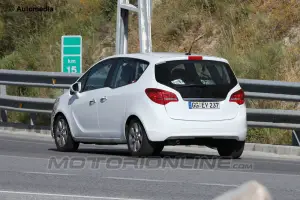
x=75 y=88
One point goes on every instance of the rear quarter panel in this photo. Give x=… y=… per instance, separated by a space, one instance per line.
x=137 y=102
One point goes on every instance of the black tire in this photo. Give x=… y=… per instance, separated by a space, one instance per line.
x=69 y=144
x=231 y=149
x=145 y=148
x=158 y=147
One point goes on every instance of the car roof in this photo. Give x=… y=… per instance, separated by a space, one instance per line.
x=165 y=56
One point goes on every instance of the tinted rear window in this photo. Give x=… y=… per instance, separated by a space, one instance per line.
x=197 y=79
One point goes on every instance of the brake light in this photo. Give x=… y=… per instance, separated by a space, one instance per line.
x=238 y=97
x=195 y=58
x=161 y=96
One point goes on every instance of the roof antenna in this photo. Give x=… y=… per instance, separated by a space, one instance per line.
x=195 y=40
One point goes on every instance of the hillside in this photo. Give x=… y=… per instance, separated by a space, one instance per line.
x=260 y=38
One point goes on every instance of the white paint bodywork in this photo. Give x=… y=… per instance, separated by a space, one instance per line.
x=105 y=122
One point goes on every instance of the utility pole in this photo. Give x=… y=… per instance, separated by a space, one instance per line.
x=144 y=10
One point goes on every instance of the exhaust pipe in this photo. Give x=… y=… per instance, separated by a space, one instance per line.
x=173 y=142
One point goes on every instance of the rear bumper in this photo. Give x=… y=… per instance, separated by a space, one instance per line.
x=167 y=129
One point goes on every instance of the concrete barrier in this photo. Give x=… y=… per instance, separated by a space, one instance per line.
x=251 y=190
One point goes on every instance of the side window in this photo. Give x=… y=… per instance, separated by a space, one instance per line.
x=128 y=71
x=140 y=68
x=97 y=76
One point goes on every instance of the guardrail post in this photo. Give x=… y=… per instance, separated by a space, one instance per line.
x=296 y=138
x=3 y=112
x=33 y=119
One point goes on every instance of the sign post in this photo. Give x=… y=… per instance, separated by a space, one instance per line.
x=71 y=54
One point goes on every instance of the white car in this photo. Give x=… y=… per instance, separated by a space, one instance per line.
x=150 y=100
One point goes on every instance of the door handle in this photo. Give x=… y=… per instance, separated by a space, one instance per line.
x=92 y=102
x=103 y=99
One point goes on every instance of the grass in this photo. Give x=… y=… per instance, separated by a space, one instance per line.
x=259 y=38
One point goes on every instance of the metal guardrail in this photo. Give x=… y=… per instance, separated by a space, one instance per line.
x=254 y=89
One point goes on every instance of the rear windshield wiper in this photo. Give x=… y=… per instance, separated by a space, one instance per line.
x=191 y=85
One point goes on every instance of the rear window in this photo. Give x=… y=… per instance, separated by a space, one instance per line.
x=197 y=79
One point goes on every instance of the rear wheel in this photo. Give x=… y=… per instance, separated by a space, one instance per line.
x=62 y=135
x=232 y=149
x=137 y=140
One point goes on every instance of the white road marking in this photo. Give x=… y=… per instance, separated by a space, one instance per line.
x=48 y=173
x=64 y=195
x=30 y=142
x=256 y=173
x=25 y=157
x=25 y=135
x=42 y=173
x=276 y=162
x=169 y=181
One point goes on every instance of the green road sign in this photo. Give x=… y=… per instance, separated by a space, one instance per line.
x=71 y=54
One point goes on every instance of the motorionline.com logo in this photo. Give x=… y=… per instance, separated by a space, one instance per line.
x=117 y=163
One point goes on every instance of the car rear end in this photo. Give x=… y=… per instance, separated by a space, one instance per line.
x=201 y=98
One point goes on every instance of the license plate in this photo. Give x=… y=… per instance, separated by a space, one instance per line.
x=204 y=105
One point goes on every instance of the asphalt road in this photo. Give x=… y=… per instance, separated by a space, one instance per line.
x=28 y=171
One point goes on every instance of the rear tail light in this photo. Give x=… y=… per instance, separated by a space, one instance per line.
x=161 y=96
x=238 y=97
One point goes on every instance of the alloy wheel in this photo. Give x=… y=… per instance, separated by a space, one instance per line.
x=61 y=132
x=135 y=137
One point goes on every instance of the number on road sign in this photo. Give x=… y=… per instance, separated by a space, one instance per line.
x=72 y=69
